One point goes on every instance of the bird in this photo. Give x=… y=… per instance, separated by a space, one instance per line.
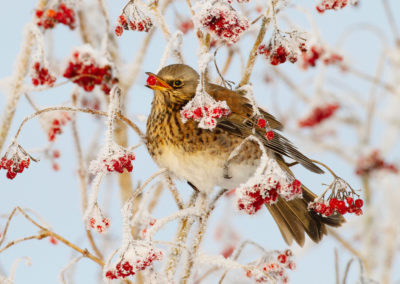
x=199 y=155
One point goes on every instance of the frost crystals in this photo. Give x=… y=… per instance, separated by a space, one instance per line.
x=133 y=255
x=221 y=19
x=269 y=182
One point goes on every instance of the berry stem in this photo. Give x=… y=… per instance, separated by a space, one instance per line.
x=326 y=167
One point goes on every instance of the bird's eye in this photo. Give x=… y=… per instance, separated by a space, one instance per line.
x=177 y=83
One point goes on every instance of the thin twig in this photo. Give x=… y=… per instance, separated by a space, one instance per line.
x=253 y=53
x=347 y=245
x=174 y=191
x=392 y=23
x=346 y=271
x=182 y=233
x=84 y=110
x=47 y=233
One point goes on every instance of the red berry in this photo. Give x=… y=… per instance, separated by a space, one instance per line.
x=261 y=123
x=349 y=200
x=269 y=135
x=358 y=212
x=359 y=203
x=282 y=258
x=151 y=80
x=333 y=203
x=119 y=30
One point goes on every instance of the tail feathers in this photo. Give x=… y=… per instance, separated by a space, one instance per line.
x=294 y=219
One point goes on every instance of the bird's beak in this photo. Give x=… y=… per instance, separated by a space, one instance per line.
x=156 y=83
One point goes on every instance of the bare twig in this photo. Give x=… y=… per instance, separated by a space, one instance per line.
x=253 y=53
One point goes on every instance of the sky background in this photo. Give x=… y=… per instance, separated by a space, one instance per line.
x=55 y=195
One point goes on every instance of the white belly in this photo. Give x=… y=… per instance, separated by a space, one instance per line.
x=204 y=171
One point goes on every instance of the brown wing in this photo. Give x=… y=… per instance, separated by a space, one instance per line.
x=294 y=219
x=241 y=122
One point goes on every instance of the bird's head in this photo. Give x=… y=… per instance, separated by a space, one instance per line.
x=176 y=83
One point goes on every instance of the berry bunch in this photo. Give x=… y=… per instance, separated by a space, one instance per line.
x=311 y=56
x=262 y=123
x=137 y=256
x=151 y=222
x=95 y=219
x=337 y=205
x=318 y=115
x=15 y=165
x=373 y=162
x=133 y=18
x=283 y=47
x=206 y=115
x=113 y=158
x=50 y=17
x=42 y=76
x=140 y=25
x=83 y=70
x=52 y=123
x=99 y=225
x=118 y=165
x=278 y=55
x=253 y=198
x=331 y=5
x=222 y=20
x=340 y=193
x=273 y=268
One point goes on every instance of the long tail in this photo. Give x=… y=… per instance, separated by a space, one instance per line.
x=294 y=218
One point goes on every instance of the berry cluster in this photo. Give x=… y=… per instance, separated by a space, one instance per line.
x=137 y=256
x=95 y=219
x=318 y=115
x=274 y=268
x=113 y=158
x=140 y=24
x=253 y=198
x=277 y=55
x=87 y=73
x=150 y=223
x=52 y=123
x=222 y=20
x=185 y=26
x=15 y=165
x=41 y=75
x=367 y=165
x=118 y=165
x=50 y=17
x=337 y=205
x=269 y=134
x=99 y=225
x=206 y=115
x=310 y=57
x=283 y=47
x=331 y=5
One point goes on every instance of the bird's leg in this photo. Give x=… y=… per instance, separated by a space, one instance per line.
x=193 y=186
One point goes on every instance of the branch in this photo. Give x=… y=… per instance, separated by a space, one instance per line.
x=253 y=53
